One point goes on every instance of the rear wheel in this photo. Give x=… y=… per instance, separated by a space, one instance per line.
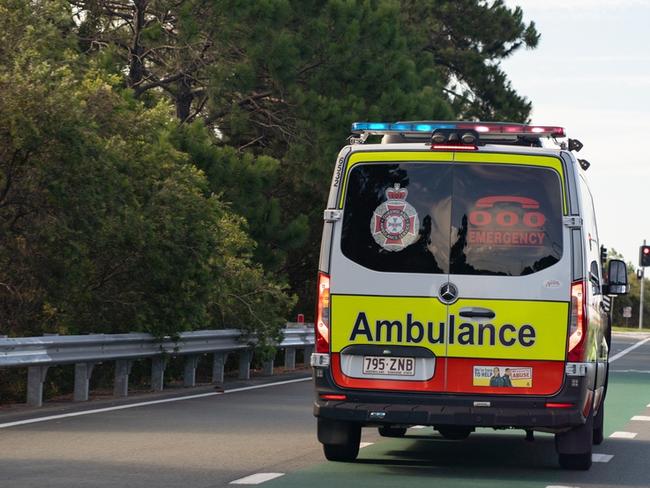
x=454 y=432
x=580 y=462
x=348 y=449
x=599 y=424
x=388 y=431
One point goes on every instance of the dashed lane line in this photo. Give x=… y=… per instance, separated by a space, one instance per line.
x=641 y=418
x=365 y=444
x=256 y=479
x=144 y=404
x=628 y=350
x=623 y=435
x=601 y=458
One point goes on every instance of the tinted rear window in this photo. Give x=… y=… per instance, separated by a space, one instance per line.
x=458 y=218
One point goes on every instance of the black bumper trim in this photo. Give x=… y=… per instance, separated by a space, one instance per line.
x=450 y=415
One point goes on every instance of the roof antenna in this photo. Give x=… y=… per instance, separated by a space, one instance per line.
x=584 y=164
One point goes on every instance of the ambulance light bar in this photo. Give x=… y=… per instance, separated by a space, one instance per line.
x=506 y=128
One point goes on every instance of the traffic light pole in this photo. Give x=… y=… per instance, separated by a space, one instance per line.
x=641 y=297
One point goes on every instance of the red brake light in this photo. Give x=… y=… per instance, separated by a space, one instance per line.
x=452 y=147
x=331 y=396
x=578 y=325
x=559 y=405
x=323 y=314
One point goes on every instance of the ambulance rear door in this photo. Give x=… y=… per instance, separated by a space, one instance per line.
x=509 y=275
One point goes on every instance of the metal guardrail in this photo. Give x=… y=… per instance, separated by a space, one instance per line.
x=38 y=354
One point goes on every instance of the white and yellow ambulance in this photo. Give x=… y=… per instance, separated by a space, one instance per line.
x=461 y=286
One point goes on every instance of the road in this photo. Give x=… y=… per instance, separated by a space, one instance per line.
x=215 y=439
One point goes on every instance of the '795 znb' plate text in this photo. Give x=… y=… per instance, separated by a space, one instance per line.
x=388 y=366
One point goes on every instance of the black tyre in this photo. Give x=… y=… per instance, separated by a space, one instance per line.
x=454 y=432
x=581 y=462
x=345 y=452
x=388 y=431
x=599 y=425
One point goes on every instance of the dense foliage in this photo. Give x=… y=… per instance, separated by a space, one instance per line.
x=164 y=164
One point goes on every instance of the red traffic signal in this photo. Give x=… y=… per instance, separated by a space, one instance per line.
x=644 y=256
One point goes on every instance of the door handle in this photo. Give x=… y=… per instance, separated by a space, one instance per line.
x=476 y=312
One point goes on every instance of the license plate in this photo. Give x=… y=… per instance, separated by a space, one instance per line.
x=388 y=366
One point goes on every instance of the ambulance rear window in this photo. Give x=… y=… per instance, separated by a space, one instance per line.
x=506 y=220
x=476 y=219
x=388 y=229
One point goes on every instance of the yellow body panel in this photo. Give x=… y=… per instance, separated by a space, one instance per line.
x=530 y=330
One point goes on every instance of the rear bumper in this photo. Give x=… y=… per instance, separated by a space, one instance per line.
x=370 y=407
x=408 y=414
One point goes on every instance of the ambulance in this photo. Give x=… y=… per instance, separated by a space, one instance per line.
x=461 y=285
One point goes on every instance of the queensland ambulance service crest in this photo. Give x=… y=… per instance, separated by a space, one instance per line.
x=395 y=223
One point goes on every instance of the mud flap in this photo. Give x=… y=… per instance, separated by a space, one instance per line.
x=337 y=432
x=577 y=440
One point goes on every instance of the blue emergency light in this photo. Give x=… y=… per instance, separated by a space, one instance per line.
x=425 y=127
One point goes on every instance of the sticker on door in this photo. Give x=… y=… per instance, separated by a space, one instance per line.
x=503 y=376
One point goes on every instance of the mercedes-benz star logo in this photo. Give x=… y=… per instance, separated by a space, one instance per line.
x=448 y=293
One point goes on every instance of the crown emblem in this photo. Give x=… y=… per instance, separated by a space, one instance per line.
x=396 y=193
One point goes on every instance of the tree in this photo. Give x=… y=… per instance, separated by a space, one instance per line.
x=105 y=225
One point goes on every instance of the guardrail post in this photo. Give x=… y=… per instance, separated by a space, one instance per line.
x=218 y=365
x=308 y=351
x=189 y=373
x=35 y=379
x=82 y=374
x=290 y=358
x=267 y=367
x=245 y=364
x=122 y=372
x=158 y=365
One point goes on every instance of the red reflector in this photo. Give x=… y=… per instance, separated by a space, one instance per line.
x=559 y=405
x=452 y=147
x=331 y=396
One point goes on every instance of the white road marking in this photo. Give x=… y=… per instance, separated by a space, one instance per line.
x=256 y=479
x=144 y=404
x=642 y=418
x=601 y=458
x=628 y=349
x=623 y=435
x=629 y=371
x=418 y=427
x=365 y=444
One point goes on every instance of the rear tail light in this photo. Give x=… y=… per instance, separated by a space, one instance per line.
x=332 y=396
x=323 y=314
x=559 y=405
x=578 y=324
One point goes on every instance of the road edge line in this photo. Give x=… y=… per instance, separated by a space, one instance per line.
x=144 y=404
x=628 y=349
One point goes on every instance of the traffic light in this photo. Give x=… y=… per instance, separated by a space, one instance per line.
x=603 y=255
x=644 y=256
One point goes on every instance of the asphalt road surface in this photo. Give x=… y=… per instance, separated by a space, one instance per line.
x=266 y=435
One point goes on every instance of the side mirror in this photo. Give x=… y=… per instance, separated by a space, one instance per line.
x=617 y=282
